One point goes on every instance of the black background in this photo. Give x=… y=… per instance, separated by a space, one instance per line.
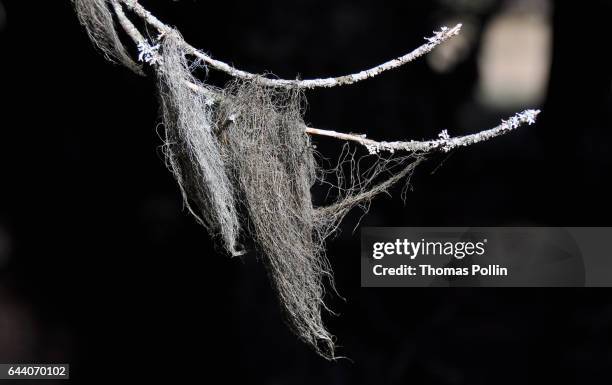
x=106 y=271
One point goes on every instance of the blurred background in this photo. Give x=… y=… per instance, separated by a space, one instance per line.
x=102 y=268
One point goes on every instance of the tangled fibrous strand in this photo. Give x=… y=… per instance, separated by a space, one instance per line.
x=192 y=149
x=356 y=180
x=97 y=18
x=273 y=167
x=244 y=162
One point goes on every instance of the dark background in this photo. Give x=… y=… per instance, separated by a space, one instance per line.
x=100 y=266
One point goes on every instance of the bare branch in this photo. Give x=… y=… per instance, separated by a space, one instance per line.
x=444 y=143
x=438 y=38
x=128 y=27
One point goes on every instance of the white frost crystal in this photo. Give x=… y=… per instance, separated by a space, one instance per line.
x=148 y=53
x=528 y=116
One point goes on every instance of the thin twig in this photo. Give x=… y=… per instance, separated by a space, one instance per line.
x=438 y=38
x=444 y=143
x=128 y=27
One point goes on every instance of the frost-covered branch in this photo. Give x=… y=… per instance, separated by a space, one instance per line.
x=149 y=54
x=445 y=143
x=438 y=38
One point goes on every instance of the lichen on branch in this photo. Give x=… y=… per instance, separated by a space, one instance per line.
x=244 y=162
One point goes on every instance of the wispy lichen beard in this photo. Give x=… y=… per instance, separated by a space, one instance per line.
x=245 y=168
x=97 y=19
x=192 y=148
x=272 y=164
x=249 y=146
